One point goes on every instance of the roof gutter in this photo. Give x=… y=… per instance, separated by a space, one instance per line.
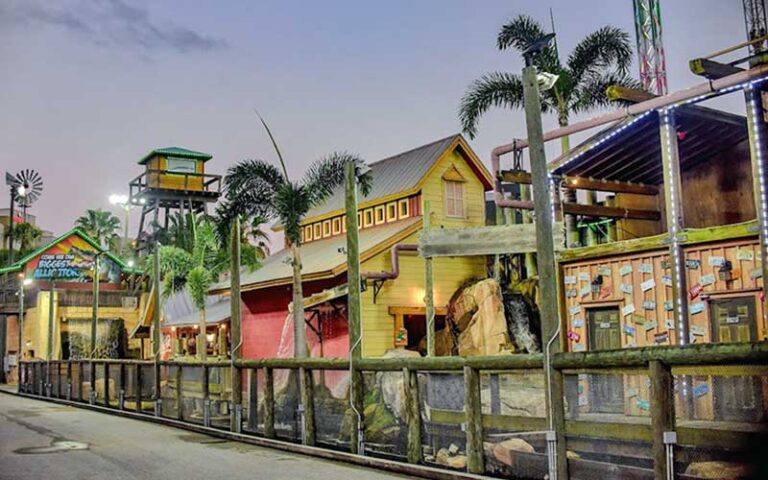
x=702 y=90
x=395 y=252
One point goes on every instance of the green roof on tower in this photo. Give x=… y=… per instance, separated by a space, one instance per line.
x=176 y=152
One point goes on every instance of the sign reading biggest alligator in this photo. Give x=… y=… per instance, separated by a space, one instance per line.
x=72 y=259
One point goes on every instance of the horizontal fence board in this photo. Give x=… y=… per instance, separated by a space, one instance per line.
x=491 y=240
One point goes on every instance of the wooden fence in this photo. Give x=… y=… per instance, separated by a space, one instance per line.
x=136 y=385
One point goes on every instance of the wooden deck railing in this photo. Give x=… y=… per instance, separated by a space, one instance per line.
x=162 y=388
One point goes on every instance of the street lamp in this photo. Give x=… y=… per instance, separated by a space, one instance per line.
x=550 y=325
x=123 y=202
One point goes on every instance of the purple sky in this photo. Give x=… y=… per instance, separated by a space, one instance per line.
x=90 y=86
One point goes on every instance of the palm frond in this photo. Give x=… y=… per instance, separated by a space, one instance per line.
x=519 y=33
x=326 y=175
x=591 y=92
x=274 y=143
x=292 y=202
x=198 y=284
x=495 y=89
x=608 y=48
x=250 y=187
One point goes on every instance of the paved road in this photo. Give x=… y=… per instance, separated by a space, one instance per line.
x=40 y=440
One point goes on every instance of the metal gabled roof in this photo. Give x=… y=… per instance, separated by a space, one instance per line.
x=176 y=152
x=322 y=258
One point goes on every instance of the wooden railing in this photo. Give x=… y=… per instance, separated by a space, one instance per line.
x=164 y=388
x=153 y=179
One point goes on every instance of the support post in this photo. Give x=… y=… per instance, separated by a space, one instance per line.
x=758 y=134
x=121 y=387
x=550 y=319
x=412 y=415
x=179 y=393
x=106 y=384
x=156 y=318
x=69 y=380
x=138 y=375
x=591 y=235
x=235 y=331
x=94 y=322
x=253 y=400
x=269 y=403
x=353 y=306
x=206 y=396
x=531 y=268
x=307 y=402
x=49 y=356
x=429 y=293
x=662 y=415
x=80 y=376
x=474 y=421
x=674 y=213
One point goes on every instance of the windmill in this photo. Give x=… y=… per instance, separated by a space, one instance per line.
x=26 y=187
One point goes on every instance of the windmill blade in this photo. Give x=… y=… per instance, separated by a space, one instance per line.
x=33 y=185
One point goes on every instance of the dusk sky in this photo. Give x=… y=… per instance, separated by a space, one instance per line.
x=90 y=86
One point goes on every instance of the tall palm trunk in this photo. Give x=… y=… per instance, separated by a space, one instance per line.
x=569 y=194
x=299 y=337
x=202 y=344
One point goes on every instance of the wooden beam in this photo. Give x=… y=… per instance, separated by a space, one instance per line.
x=710 y=69
x=545 y=251
x=307 y=402
x=269 y=403
x=662 y=414
x=633 y=95
x=491 y=240
x=474 y=421
x=179 y=395
x=429 y=293
x=611 y=212
x=235 y=332
x=412 y=415
x=585 y=183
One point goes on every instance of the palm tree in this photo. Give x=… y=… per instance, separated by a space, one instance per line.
x=598 y=61
x=194 y=270
x=26 y=235
x=101 y=225
x=257 y=189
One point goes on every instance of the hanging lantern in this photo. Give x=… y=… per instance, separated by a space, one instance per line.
x=597 y=284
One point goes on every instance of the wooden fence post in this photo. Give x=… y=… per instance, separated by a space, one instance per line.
x=106 y=384
x=235 y=332
x=307 y=402
x=269 y=403
x=179 y=393
x=80 y=377
x=662 y=413
x=412 y=415
x=474 y=421
x=139 y=406
x=429 y=291
x=253 y=400
x=206 y=396
x=121 y=386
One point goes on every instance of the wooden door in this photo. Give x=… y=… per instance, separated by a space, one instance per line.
x=606 y=392
x=737 y=398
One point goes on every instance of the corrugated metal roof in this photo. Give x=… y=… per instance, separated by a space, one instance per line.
x=215 y=312
x=630 y=150
x=176 y=152
x=394 y=174
x=319 y=256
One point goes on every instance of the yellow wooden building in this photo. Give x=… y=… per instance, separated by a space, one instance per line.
x=447 y=174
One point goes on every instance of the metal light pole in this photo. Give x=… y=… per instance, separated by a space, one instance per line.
x=49 y=355
x=23 y=282
x=542 y=202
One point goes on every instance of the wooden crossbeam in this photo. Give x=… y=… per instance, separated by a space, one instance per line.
x=633 y=95
x=585 y=183
x=712 y=70
x=610 y=212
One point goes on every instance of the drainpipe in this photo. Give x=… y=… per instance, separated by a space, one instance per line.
x=731 y=82
x=395 y=252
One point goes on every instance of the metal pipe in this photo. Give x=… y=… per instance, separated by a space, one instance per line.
x=395 y=253
x=701 y=90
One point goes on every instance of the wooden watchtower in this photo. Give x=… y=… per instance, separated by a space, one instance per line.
x=174 y=179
